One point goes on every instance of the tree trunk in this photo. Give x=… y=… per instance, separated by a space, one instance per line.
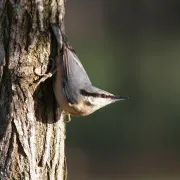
x=32 y=130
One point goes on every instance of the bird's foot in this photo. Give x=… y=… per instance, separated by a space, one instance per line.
x=67 y=117
x=45 y=76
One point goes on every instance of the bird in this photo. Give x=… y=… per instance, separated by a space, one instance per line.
x=73 y=89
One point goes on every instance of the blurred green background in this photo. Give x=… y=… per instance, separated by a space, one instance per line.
x=128 y=47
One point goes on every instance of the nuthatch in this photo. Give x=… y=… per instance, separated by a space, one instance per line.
x=73 y=89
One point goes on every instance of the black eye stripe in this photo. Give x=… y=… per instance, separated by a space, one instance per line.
x=85 y=93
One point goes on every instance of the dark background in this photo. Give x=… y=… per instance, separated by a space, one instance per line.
x=128 y=47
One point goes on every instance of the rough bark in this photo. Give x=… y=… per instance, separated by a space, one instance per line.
x=32 y=130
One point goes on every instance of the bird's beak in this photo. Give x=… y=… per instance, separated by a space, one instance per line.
x=122 y=97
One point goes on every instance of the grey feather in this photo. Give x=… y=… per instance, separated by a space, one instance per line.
x=57 y=32
x=73 y=72
x=76 y=78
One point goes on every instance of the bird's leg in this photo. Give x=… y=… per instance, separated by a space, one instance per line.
x=51 y=72
x=48 y=75
x=67 y=117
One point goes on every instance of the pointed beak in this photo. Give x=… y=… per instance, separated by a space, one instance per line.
x=122 y=97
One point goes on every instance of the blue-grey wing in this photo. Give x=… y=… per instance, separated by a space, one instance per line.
x=74 y=75
x=73 y=72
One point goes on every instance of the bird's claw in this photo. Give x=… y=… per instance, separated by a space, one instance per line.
x=67 y=117
x=45 y=76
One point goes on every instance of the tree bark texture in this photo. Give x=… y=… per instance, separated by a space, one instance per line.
x=32 y=130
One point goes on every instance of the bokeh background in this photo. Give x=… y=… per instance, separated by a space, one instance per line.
x=128 y=47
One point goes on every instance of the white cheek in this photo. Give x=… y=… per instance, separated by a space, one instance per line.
x=99 y=102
